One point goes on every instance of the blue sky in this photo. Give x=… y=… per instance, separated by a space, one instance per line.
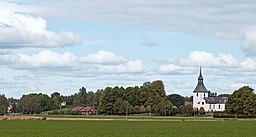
x=48 y=46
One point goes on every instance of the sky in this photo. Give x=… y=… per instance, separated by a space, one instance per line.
x=62 y=45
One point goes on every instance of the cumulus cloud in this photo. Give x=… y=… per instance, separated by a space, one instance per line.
x=19 y=30
x=249 y=45
x=175 y=69
x=45 y=58
x=103 y=57
x=135 y=66
x=101 y=62
x=248 y=65
x=206 y=59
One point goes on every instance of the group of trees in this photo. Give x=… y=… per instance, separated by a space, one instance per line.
x=242 y=101
x=150 y=98
x=36 y=103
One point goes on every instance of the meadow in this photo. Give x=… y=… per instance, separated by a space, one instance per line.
x=126 y=128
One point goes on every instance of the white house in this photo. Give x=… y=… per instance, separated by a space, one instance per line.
x=201 y=98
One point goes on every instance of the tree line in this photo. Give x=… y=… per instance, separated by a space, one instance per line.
x=150 y=98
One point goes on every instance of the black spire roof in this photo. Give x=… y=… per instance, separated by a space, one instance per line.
x=200 y=85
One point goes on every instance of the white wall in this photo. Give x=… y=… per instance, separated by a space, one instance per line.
x=215 y=107
x=198 y=101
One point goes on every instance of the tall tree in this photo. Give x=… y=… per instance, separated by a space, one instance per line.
x=80 y=98
x=242 y=101
x=106 y=101
x=158 y=85
x=33 y=103
x=56 y=100
x=3 y=105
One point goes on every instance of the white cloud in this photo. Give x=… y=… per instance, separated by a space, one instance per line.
x=249 y=45
x=19 y=30
x=101 y=62
x=135 y=66
x=248 y=65
x=45 y=58
x=229 y=20
x=175 y=69
x=196 y=58
x=208 y=59
x=103 y=57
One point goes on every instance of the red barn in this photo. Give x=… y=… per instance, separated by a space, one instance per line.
x=84 y=110
x=88 y=111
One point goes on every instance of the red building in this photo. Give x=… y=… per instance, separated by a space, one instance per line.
x=84 y=110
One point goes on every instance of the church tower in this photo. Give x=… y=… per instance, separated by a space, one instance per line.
x=200 y=93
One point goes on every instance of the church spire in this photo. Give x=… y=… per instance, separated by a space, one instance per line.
x=200 y=85
x=200 y=71
x=200 y=78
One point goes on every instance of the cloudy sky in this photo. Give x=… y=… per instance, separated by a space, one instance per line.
x=62 y=45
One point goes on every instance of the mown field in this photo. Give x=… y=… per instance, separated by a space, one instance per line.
x=36 y=128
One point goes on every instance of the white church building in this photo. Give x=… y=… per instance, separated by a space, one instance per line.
x=201 y=98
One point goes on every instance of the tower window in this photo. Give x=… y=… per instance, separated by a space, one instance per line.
x=204 y=94
x=202 y=103
x=219 y=106
x=197 y=94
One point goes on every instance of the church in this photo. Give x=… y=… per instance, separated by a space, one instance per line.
x=201 y=98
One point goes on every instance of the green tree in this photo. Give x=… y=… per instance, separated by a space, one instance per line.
x=80 y=98
x=242 y=101
x=158 y=85
x=30 y=104
x=173 y=111
x=148 y=109
x=187 y=110
x=107 y=100
x=69 y=100
x=46 y=102
x=117 y=106
x=142 y=109
x=136 y=110
x=56 y=100
x=3 y=105
x=176 y=99
x=125 y=107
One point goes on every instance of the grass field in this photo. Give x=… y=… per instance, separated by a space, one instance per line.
x=33 y=128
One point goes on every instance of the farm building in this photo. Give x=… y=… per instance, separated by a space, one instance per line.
x=83 y=110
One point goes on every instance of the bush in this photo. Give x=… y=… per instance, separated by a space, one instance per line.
x=221 y=115
x=201 y=111
x=61 y=112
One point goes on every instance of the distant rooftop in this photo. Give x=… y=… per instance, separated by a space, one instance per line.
x=216 y=100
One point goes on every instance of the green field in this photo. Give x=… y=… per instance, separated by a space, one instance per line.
x=32 y=128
